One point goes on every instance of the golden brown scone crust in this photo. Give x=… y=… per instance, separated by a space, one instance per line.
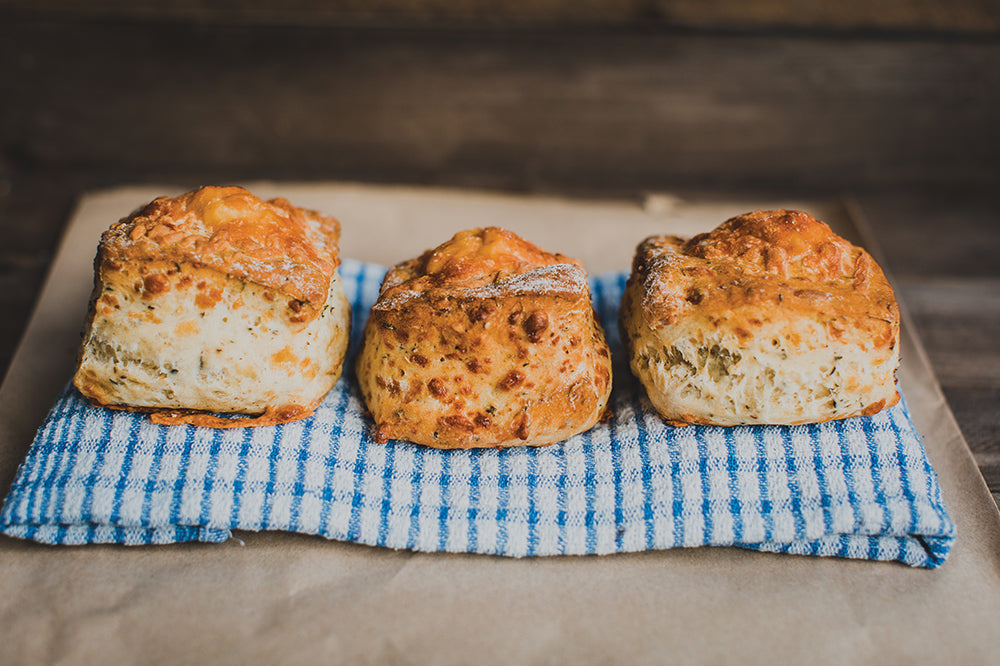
x=769 y=318
x=270 y=243
x=484 y=341
x=216 y=301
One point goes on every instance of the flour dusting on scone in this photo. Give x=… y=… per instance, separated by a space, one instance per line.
x=484 y=341
x=216 y=302
x=769 y=319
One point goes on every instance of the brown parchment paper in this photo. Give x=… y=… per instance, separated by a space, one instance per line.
x=291 y=599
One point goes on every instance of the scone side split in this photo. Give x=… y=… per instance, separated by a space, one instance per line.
x=216 y=302
x=769 y=319
x=484 y=341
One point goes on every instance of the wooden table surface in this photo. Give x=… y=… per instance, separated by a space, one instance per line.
x=904 y=123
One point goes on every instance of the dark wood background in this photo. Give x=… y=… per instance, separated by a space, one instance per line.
x=894 y=103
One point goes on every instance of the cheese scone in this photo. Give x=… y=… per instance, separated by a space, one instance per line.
x=216 y=302
x=769 y=319
x=484 y=341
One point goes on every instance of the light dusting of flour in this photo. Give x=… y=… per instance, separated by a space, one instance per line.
x=558 y=278
x=566 y=279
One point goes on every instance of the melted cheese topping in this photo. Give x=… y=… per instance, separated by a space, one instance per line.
x=271 y=243
x=481 y=263
x=763 y=266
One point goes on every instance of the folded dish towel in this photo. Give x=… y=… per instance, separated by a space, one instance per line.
x=860 y=488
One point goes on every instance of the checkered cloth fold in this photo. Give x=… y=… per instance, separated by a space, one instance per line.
x=859 y=488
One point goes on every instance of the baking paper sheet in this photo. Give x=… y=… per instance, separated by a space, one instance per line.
x=272 y=597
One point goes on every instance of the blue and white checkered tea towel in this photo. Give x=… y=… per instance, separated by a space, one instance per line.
x=859 y=488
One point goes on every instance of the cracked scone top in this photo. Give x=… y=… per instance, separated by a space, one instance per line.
x=216 y=301
x=484 y=341
x=270 y=243
x=770 y=318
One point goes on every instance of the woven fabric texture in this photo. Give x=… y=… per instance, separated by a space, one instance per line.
x=858 y=488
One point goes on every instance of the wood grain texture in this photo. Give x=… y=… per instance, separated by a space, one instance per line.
x=518 y=110
x=975 y=16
